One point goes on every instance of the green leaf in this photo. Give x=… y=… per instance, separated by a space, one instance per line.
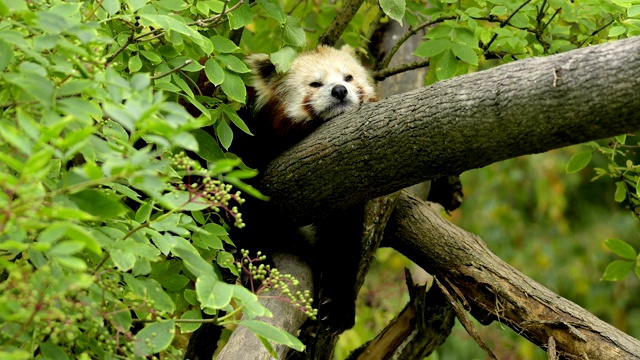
x=465 y=36
x=175 y=23
x=154 y=338
x=97 y=203
x=394 y=9
x=617 y=270
x=161 y=300
x=151 y=56
x=267 y=345
x=465 y=53
x=212 y=293
x=633 y=11
x=283 y=58
x=190 y=327
x=224 y=133
x=65 y=248
x=233 y=63
x=578 y=161
x=225 y=259
x=192 y=259
x=79 y=233
x=432 y=48
x=251 y=303
x=223 y=45
x=446 y=65
x=6 y=54
x=273 y=9
x=293 y=33
x=499 y=10
x=621 y=248
x=52 y=351
x=621 y=138
x=235 y=119
x=184 y=201
x=440 y=31
x=36 y=85
x=208 y=147
x=241 y=16
x=621 y=192
x=617 y=30
x=37 y=166
x=272 y=333
x=214 y=72
x=72 y=262
x=234 y=87
x=111 y=6
x=144 y=212
x=124 y=260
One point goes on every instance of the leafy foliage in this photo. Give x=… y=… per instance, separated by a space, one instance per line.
x=627 y=182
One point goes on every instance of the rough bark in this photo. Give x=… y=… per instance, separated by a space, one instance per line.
x=467 y=122
x=480 y=279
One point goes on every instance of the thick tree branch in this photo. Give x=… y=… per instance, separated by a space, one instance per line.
x=467 y=122
x=491 y=285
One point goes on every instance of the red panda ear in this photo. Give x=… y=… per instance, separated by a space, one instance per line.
x=349 y=50
x=263 y=71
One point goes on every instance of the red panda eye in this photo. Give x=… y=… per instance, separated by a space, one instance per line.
x=315 y=84
x=348 y=78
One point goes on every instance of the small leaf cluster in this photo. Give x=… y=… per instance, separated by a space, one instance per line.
x=620 y=160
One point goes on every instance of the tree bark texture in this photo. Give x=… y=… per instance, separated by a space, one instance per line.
x=467 y=122
x=462 y=262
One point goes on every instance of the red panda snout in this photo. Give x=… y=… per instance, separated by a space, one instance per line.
x=339 y=92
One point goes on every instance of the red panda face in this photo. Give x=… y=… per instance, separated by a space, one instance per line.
x=320 y=84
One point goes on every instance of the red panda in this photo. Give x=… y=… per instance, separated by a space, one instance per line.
x=319 y=85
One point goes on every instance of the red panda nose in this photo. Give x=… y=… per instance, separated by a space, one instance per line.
x=339 y=92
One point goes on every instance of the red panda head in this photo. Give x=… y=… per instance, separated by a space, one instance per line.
x=320 y=84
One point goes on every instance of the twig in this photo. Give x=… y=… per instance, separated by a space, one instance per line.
x=505 y=23
x=385 y=73
x=187 y=62
x=412 y=31
x=464 y=320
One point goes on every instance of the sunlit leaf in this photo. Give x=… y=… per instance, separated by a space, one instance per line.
x=578 y=161
x=617 y=270
x=621 y=248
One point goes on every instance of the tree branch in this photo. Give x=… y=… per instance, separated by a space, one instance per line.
x=344 y=16
x=467 y=122
x=494 y=287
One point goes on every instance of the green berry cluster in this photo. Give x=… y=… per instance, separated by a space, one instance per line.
x=202 y=187
x=271 y=279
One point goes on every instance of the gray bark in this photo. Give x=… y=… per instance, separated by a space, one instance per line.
x=467 y=122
